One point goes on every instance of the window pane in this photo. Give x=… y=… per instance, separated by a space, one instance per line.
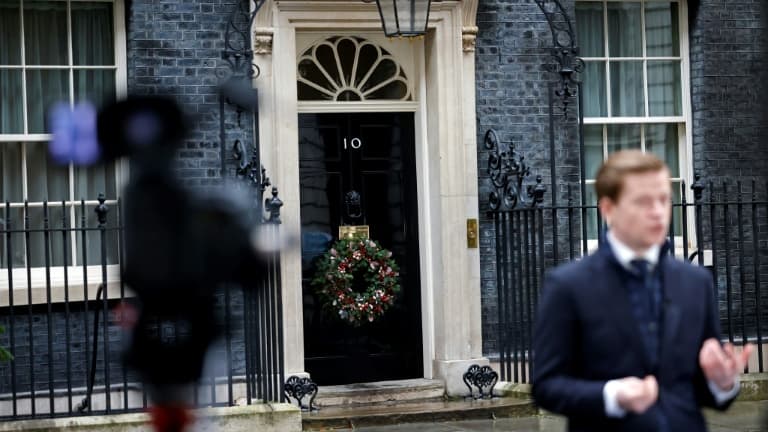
x=664 y=92
x=593 y=149
x=662 y=140
x=12 y=218
x=10 y=32
x=310 y=71
x=385 y=70
x=326 y=58
x=38 y=240
x=94 y=238
x=10 y=168
x=347 y=50
x=11 y=102
x=388 y=16
x=45 y=32
x=305 y=92
x=627 y=88
x=367 y=57
x=408 y=16
x=95 y=86
x=91 y=181
x=46 y=181
x=595 y=104
x=44 y=88
x=589 y=24
x=396 y=90
x=624 y=31
x=661 y=29
x=92 y=34
x=623 y=137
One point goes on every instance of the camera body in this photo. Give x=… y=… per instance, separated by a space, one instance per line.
x=180 y=244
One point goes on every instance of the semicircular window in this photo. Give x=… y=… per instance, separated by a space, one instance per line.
x=350 y=69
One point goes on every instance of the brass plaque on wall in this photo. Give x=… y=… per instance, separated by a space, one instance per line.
x=354 y=231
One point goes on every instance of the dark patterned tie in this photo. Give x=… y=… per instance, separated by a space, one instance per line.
x=640 y=266
x=646 y=300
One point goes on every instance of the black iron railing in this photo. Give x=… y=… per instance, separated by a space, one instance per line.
x=724 y=229
x=64 y=311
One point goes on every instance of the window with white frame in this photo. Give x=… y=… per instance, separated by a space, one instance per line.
x=54 y=51
x=633 y=83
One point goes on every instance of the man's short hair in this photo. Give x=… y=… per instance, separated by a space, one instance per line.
x=610 y=177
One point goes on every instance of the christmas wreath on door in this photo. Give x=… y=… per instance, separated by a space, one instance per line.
x=357 y=280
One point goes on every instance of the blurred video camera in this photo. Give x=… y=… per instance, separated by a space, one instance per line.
x=180 y=244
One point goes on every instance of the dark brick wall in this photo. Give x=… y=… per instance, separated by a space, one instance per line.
x=728 y=61
x=174 y=49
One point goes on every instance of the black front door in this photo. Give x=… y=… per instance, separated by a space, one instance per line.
x=359 y=169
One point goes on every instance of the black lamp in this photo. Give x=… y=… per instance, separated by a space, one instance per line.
x=404 y=17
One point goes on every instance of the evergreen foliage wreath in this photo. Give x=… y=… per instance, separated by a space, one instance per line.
x=354 y=258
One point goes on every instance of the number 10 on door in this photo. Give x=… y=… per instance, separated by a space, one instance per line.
x=355 y=143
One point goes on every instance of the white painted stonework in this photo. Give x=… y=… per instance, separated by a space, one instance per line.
x=441 y=69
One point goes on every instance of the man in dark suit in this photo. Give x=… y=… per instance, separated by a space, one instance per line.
x=627 y=339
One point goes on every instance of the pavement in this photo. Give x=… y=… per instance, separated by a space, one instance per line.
x=741 y=417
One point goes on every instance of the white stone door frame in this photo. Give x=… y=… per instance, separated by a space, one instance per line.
x=446 y=165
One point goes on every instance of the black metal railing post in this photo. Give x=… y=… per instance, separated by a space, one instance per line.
x=571 y=249
x=742 y=266
x=101 y=213
x=48 y=304
x=525 y=295
x=728 y=269
x=698 y=192
x=228 y=342
x=756 y=269
x=28 y=256
x=123 y=301
x=508 y=287
x=684 y=219
x=12 y=319
x=67 y=331
x=713 y=237
x=500 y=328
x=86 y=404
x=273 y=205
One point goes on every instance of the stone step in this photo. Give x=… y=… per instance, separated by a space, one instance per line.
x=362 y=394
x=390 y=413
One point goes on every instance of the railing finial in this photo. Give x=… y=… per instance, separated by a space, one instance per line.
x=698 y=187
x=537 y=192
x=273 y=207
x=101 y=210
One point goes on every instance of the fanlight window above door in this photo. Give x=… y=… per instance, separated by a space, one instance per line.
x=350 y=69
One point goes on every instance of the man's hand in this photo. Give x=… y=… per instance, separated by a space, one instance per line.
x=637 y=395
x=721 y=364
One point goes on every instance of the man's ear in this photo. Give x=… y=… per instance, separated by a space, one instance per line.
x=606 y=205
